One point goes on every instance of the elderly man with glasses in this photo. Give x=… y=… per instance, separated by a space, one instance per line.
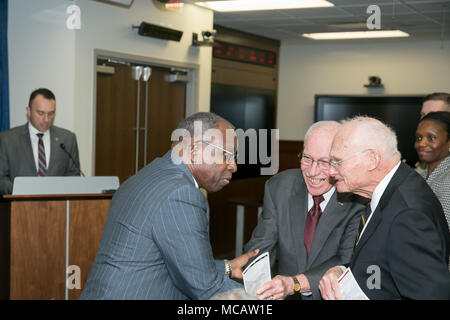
x=303 y=225
x=155 y=243
x=402 y=247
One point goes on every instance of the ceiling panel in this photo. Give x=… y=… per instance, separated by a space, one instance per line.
x=423 y=19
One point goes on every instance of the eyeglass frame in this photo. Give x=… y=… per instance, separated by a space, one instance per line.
x=227 y=154
x=301 y=155
x=335 y=164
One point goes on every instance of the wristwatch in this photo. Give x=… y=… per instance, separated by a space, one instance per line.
x=227 y=267
x=297 y=285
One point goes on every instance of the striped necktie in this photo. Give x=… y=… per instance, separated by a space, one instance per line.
x=42 y=170
x=365 y=215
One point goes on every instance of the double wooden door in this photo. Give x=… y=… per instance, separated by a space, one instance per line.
x=134 y=118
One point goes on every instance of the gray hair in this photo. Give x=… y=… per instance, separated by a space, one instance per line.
x=378 y=135
x=233 y=294
x=186 y=128
x=328 y=125
x=209 y=120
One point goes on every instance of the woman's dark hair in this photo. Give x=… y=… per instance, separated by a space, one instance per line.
x=47 y=94
x=441 y=117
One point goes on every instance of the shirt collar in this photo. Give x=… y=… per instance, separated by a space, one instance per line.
x=326 y=196
x=379 y=190
x=177 y=160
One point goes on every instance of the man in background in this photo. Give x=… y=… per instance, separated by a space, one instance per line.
x=37 y=148
x=303 y=225
x=155 y=244
x=434 y=102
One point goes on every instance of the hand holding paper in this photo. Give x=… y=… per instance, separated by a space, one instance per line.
x=257 y=273
x=350 y=289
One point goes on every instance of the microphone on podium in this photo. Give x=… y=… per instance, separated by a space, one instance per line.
x=63 y=147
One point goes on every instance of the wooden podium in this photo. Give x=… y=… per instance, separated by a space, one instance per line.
x=43 y=238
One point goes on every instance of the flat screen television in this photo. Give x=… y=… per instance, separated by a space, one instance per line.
x=401 y=113
x=246 y=108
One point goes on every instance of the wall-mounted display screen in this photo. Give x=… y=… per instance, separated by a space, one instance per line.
x=247 y=108
x=401 y=113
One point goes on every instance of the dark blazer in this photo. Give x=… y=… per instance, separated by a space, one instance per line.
x=16 y=155
x=155 y=244
x=407 y=240
x=281 y=228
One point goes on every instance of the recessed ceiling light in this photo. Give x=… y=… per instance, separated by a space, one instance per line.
x=356 y=35
x=121 y=3
x=254 y=5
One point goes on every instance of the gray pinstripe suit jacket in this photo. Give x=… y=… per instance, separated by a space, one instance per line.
x=155 y=244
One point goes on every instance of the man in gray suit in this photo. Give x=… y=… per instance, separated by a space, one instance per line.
x=302 y=223
x=37 y=148
x=155 y=244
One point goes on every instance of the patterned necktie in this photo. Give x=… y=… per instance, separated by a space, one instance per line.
x=42 y=171
x=311 y=221
x=363 y=222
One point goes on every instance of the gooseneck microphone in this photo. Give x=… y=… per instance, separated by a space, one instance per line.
x=63 y=147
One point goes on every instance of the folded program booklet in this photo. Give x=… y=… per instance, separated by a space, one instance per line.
x=257 y=273
x=350 y=289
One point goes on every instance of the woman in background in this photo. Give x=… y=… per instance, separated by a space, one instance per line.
x=432 y=144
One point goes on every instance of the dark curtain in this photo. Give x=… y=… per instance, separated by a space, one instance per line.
x=4 y=82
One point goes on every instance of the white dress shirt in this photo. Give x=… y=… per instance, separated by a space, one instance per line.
x=35 y=142
x=326 y=196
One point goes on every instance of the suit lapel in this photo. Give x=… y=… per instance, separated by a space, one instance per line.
x=298 y=208
x=377 y=215
x=54 y=142
x=327 y=222
x=28 y=150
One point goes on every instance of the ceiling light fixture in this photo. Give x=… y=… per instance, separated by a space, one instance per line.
x=356 y=35
x=120 y=3
x=255 y=5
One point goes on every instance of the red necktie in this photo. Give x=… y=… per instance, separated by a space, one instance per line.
x=311 y=221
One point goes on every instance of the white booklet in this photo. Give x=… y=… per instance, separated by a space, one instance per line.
x=257 y=273
x=350 y=289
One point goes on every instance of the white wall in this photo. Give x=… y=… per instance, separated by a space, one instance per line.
x=410 y=68
x=44 y=53
x=41 y=53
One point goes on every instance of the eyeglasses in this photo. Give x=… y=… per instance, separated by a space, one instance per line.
x=230 y=157
x=306 y=160
x=335 y=163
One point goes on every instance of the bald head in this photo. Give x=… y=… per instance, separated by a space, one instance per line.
x=363 y=152
x=361 y=133
x=326 y=127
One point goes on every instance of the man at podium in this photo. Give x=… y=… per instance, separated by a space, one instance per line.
x=37 y=148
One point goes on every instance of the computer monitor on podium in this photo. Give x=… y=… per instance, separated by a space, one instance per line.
x=64 y=185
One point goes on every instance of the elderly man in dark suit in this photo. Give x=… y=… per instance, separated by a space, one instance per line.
x=303 y=224
x=155 y=244
x=403 y=239
x=37 y=148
